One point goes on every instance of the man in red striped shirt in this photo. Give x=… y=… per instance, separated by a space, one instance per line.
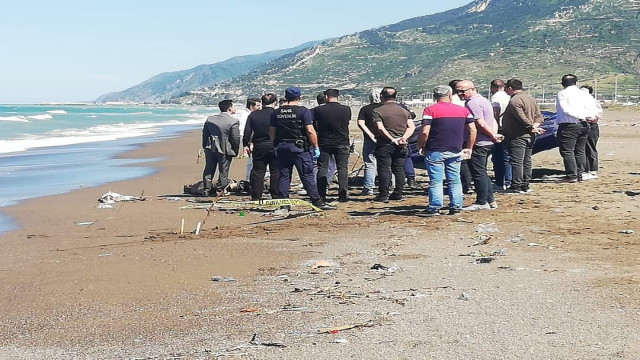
x=441 y=144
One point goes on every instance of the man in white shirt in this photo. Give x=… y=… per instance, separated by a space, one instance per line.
x=500 y=156
x=574 y=110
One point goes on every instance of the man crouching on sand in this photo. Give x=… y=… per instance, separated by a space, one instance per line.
x=441 y=144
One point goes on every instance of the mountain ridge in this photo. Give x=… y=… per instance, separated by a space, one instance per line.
x=536 y=41
x=168 y=84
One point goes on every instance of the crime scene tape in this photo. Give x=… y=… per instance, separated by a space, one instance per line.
x=274 y=203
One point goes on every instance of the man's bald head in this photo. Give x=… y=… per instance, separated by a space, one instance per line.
x=465 y=89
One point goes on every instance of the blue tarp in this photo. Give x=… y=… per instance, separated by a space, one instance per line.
x=547 y=140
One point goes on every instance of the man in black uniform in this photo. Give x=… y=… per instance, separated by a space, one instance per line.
x=292 y=132
x=256 y=138
x=332 y=121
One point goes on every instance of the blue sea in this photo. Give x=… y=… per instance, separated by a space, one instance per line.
x=53 y=149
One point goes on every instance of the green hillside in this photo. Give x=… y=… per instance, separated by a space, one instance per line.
x=536 y=41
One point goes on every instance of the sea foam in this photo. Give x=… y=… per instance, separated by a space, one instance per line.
x=57 y=112
x=14 y=118
x=40 y=117
x=96 y=133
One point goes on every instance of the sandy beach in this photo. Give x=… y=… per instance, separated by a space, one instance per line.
x=553 y=274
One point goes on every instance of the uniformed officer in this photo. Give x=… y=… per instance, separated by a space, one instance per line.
x=293 y=135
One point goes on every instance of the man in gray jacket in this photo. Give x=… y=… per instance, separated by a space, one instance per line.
x=220 y=141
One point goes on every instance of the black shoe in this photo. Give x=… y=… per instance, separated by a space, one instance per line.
x=428 y=213
x=323 y=205
x=568 y=179
x=343 y=199
x=382 y=199
x=454 y=211
x=513 y=190
x=396 y=196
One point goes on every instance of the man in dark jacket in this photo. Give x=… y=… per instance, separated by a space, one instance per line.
x=332 y=121
x=256 y=139
x=520 y=124
x=291 y=130
x=220 y=141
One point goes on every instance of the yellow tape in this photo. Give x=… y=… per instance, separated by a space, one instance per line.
x=263 y=203
x=282 y=202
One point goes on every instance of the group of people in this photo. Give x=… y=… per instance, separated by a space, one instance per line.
x=280 y=138
x=456 y=135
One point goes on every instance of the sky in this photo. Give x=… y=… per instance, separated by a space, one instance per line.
x=77 y=50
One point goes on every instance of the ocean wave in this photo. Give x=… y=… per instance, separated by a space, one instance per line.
x=14 y=118
x=40 y=117
x=57 y=112
x=98 y=133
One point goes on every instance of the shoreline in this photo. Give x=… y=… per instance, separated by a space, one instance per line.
x=111 y=161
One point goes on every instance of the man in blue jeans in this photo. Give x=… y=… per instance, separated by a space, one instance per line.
x=441 y=143
x=500 y=155
x=369 y=131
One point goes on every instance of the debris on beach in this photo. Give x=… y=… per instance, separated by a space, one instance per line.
x=113 y=197
x=626 y=231
x=482 y=253
x=378 y=267
x=483 y=239
x=291 y=307
x=500 y=252
x=336 y=329
x=254 y=341
x=487 y=228
x=382 y=268
x=463 y=296
x=104 y=206
x=222 y=279
x=249 y=310
x=484 y=259
x=321 y=264
x=84 y=223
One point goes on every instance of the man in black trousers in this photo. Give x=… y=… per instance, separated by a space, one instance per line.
x=332 y=121
x=395 y=126
x=256 y=139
